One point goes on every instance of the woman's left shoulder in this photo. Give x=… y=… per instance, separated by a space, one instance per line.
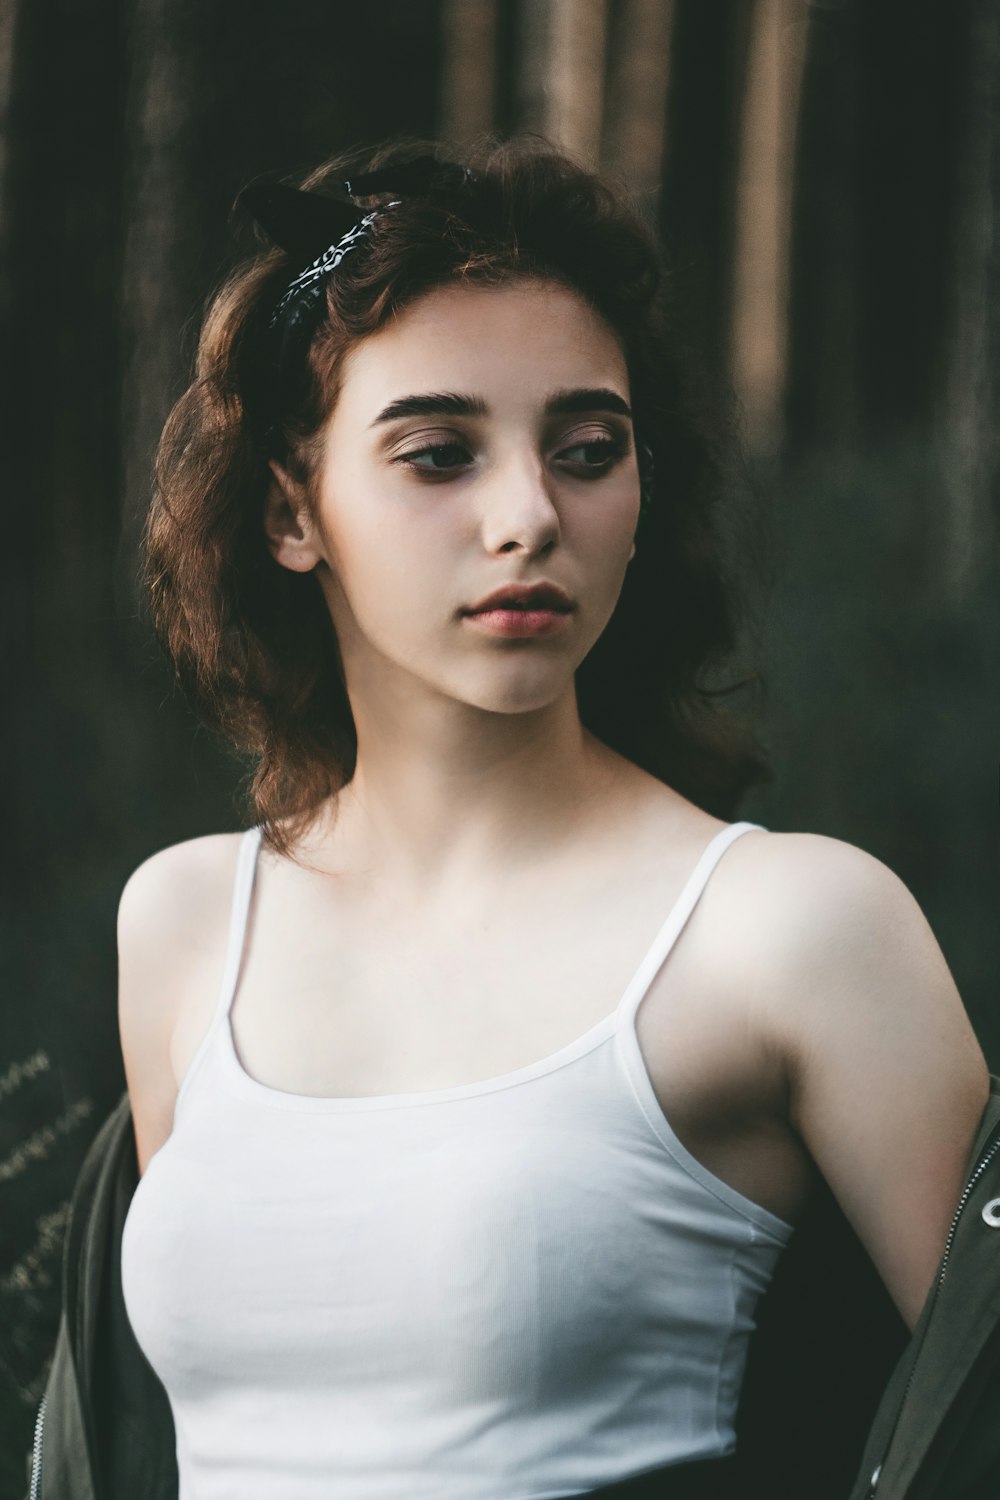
x=886 y=1082
x=842 y=958
x=813 y=889
x=831 y=936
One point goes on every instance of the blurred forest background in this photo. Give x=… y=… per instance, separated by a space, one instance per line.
x=826 y=179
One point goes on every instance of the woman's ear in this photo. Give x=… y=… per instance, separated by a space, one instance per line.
x=291 y=535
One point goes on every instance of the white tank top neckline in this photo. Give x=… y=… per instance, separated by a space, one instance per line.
x=619 y=1020
x=530 y=1294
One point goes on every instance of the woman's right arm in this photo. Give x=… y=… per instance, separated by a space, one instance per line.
x=172 y=924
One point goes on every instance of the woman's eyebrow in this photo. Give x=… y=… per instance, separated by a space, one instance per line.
x=449 y=404
x=588 y=400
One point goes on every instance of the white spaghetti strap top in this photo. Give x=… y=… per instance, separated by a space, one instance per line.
x=514 y=1289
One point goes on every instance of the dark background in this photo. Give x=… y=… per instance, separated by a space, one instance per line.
x=826 y=179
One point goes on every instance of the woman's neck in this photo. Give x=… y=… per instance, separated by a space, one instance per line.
x=431 y=816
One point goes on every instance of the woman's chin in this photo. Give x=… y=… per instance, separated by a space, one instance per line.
x=516 y=697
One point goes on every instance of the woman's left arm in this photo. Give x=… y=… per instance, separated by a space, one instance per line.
x=886 y=1080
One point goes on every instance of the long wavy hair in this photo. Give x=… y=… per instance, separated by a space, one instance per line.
x=253 y=644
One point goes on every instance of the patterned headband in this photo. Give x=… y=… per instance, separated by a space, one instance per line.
x=324 y=229
x=327 y=262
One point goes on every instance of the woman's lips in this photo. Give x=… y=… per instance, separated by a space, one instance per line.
x=519 y=622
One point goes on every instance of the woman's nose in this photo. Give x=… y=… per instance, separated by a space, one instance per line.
x=519 y=509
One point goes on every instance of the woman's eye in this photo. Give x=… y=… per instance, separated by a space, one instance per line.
x=588 y=459
x=436 y=458
x=595 y=456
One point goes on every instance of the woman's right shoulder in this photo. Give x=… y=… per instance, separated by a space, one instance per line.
x=171 y=893
x=173 y=920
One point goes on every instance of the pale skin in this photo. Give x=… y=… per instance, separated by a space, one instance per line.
x=494 y=873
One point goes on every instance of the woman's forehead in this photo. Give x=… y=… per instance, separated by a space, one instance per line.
x=522 y=337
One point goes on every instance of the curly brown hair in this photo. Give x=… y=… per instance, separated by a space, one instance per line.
x=253 y=643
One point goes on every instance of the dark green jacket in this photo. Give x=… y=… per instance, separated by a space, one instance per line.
x=936 y=1435
x=105 y=1430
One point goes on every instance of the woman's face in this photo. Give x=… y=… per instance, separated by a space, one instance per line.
x=481 y=439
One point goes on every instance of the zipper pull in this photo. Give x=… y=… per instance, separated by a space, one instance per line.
x=873 y=1483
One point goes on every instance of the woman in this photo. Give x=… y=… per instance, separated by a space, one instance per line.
x=422 y=1213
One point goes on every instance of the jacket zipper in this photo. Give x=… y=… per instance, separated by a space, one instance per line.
x=980 y=1167
x=36 y=1452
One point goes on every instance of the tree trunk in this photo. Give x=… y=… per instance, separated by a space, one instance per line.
x=759 y=330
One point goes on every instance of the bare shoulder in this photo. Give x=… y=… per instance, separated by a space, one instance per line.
x=828 y=929
x=165 y=897
x=779 y=863
x=886 y=1080
x=802 y=901
x=172 y=921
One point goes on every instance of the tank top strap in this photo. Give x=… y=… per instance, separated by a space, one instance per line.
x=680 y=911
x=239 y=913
